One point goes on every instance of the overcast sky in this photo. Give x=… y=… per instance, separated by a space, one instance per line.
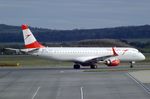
x=72 y=14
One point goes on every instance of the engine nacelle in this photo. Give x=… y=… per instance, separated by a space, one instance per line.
x=112 y=62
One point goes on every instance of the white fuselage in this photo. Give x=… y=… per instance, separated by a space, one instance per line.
x=79 y=53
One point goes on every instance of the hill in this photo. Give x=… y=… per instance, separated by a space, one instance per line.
x=14 y=34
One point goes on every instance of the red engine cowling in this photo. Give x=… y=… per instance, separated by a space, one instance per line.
x=112 y=62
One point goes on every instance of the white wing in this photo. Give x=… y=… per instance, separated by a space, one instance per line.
x=92 y=59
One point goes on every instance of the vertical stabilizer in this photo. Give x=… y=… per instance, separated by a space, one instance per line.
x=29 y=39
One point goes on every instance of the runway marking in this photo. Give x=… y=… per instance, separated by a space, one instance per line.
x=81 y=90
x=139 y=83
x=36 y=92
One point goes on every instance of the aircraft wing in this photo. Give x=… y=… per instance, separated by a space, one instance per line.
x=27 y=51
x=84 y=59
x=12 y=49
x=93 y=59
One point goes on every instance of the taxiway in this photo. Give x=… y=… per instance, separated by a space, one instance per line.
x=68 y=84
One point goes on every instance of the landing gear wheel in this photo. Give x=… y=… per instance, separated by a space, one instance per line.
x=93 y=66
x=131 y=64
x=76 y=66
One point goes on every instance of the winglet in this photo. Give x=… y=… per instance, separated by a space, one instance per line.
x=114 y=52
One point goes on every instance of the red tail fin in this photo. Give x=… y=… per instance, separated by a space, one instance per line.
x=29 y=39
x=34 y=45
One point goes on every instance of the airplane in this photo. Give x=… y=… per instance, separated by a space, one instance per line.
x=80 y=56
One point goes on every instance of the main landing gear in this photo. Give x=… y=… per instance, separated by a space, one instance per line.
x=76 y=66
x=93 y=66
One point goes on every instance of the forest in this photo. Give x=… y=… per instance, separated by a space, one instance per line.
x=14 y=33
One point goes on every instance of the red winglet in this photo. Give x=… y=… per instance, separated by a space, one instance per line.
x=24 y=26
x=114 y=52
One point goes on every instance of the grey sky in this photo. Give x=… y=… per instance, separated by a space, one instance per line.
x=71 y=14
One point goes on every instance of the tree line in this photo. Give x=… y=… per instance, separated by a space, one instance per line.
x=14 y=34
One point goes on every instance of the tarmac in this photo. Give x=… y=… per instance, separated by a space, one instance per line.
x=67 y=83
x=143 y=76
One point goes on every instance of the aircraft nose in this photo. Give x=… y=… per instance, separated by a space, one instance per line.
x=142 y=56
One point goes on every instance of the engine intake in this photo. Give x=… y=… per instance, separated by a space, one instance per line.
x=112 y=62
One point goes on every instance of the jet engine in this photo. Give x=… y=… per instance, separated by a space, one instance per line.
x=112 y=62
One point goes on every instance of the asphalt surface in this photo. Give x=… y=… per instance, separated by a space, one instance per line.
x=68 y=84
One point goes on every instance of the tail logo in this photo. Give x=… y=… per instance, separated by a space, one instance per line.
x=27 y=36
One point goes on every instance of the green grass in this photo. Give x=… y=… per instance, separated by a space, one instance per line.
x=27 y=60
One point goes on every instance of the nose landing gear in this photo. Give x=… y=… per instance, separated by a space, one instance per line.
x=131 y=64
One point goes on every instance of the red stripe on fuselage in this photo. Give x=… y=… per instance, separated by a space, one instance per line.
x=34 y=45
